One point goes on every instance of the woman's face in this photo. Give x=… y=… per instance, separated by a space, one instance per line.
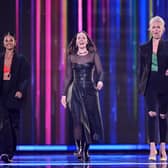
x=9 y=42
x=156 y=29
x=81 y=40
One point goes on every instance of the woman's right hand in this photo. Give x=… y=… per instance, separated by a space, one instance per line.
x=63 y=101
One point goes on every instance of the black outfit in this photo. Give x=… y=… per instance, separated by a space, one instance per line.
x=82 y=96
x=154 y=85
x=10 y=105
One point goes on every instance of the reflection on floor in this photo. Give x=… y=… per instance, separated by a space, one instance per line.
x=96 y=161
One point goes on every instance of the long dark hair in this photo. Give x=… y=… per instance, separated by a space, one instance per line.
x=72 y=48
x=12 y=35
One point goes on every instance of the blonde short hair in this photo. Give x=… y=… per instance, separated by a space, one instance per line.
x=157 y=19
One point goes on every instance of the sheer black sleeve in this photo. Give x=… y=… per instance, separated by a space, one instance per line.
x=68 y=75
x=99 y=69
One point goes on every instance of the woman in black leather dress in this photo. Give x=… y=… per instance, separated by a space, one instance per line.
x=81 y=92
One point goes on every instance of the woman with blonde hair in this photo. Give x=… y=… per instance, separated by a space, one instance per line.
x=153 y=84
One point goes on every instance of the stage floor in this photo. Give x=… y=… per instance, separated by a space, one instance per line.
x=96 y=161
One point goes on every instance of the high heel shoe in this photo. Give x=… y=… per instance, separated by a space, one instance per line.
x=79 y=147
x=152 y=157
x=163 y=156
x=86 y=157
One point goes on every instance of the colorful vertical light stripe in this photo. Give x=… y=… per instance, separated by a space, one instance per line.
x=80 y=20
x=17 y=20
x=33 y=77
x=143 y=6
x=48 y=72
x=63 y=37
x=38 y=69
x=89 y=17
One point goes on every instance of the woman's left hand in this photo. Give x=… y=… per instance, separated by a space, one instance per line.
x=99 y=85
x=166 y=73
x=18 y=94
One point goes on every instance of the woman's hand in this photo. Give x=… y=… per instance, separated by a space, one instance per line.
x=99 y=85
x=166 y=73
x=63 y=101
x=18 y=94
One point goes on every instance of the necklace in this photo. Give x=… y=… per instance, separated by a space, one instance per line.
x=82 y=53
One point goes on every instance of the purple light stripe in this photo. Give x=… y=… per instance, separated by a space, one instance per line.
x=48 y=73
x=17 y=21
x=89 y=17
x=38 y=41
x=80 y=22
x=32 y=67
x=103 y=8
x=63 y=35
x=94 y=4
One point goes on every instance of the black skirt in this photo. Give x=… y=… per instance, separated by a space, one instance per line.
x=83 y=103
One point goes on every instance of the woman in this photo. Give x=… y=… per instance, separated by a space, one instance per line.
x=13 y=84
x=81 y=92
x=153 y=84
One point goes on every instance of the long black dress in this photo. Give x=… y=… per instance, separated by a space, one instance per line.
x=82 y=96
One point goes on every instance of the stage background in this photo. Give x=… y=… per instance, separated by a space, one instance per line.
x=43 y=28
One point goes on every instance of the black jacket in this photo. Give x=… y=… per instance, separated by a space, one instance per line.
x=144 y=65
x=18 y=81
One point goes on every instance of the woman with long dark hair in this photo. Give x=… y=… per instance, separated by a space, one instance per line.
x=81 y=92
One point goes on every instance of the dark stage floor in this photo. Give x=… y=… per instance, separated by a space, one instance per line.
x=96 y=161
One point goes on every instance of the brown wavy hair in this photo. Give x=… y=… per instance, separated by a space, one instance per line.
x=72 y=48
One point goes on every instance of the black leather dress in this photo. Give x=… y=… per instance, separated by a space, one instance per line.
x=83 y=100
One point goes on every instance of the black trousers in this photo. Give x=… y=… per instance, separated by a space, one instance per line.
x=9 y=124
x=9 y=129
x=156 y=101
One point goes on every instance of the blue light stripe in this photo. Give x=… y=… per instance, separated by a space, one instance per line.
x=134 y=48
x=143 y=12
x=143 y=27
x=118 y=24
x=114 y=24
x=82 y=164
x=129 y=63
x=70 y=148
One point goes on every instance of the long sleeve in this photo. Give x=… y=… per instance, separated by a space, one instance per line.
x=99 y=69
x=68 y=75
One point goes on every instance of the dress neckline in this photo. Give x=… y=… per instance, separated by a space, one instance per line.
x=82 y=55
